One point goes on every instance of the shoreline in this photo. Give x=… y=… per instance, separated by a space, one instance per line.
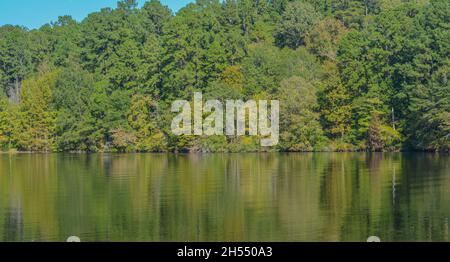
x=227 y=153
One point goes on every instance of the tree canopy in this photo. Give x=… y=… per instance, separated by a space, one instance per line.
x=367 y=75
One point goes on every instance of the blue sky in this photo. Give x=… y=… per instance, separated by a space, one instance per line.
x=35 y=13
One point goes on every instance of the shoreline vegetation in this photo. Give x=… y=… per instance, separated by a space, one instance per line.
x=17 y=152
x=350 y=75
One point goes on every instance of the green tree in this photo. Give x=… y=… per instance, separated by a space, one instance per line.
x=368 y=74
x=151 y=70
x=430 y=114
x=144 y=118
x=8 y=122
x=335 y=104
x=266 y=66
x=297 y=20
x=299 y=121
x=111 y=45
x=36 y=115
x=72 y=92
x=323 y=40
x=15 y=60
x=399 y=54
x=156 y=15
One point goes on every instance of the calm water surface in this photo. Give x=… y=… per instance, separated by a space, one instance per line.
x=221 y=197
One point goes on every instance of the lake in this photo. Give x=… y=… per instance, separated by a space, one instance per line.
x=225 y=197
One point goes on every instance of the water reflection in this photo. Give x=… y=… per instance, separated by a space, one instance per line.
x=225 y=197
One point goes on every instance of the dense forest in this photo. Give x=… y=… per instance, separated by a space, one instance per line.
x=351 y=75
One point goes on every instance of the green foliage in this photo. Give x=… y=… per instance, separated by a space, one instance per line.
x=8 y=122
x=395 y=60
x=349 y=74
x=323 y=40
x=36 y=127
x=430 y=114
x=335 y=103
x=15 y=60
x=301 y=129
x=297 y=20
x=266 y=66
x=144 y=118
x=72 y=95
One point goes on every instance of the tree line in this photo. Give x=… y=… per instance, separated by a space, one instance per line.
x=351 y=75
